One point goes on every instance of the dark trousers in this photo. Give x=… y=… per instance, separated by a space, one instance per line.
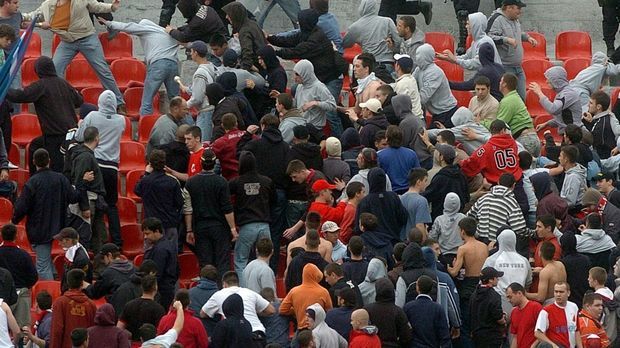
x=277 y=226
x=166 y=296
x=611 y=13
x=167 y=10
x=6 y=125
x=52 y=144
x=445 y=118
x=110 y=181
x=213 y=247
x=392 y=8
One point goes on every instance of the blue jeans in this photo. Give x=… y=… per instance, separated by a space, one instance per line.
x=45 y=267
x=248 y=235
x=158 y=72
x=290 y=7
x=520 y=74
x=90 y=47
x=204 y=121
x=334 y=87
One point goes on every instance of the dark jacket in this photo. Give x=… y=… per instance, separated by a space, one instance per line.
x=351 y=147
x=430 y=330
x=489 y=68
x=161 y=197
x=8 y=291
x=198 y=296
x=228 y=80
x=222 y=105
x=549 y=202
x=251 y=36
x=388 y=110
x=275 y=78
x=44 y=199
x=81 y=160
x=294 y=272
x=309 y=43
x=115 y=274
x=394 y=330
x=19 y=263
x=129 y=290
x=343 y=283
x=235 y=330
x=414 y=268
x=309 y=153
x=271 y=151
x=602 y=134
x=210 y=200
x=386 y=206
x=339 y=319
x=485 y=311
x=371 y=127
x=164 y=254
x=448 y=179
x=577 y=268
x=355 y=270
x=202 y=23
x=253 y=193
x=177 y=155
x=80 y=261
x=105 y=333
x=55 y=100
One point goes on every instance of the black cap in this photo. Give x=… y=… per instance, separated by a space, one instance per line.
x=605 y=176
x=230 y=58
x=109 y=248
x=200 y=47
x=67 y=232
x=490 y=273
x=513 y=2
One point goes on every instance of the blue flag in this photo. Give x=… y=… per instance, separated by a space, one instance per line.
x=14 y=60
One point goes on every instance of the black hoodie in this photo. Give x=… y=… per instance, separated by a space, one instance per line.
x=371 y=126
x=271 y=151
x=223 y=105
x=234 y=331
x=228 y=80
x=577 y=268
x=309 y=153
x=116 y=274
x=202 y=23
x=351 y=148
x=251 y=36
x=253 y=193
x=275 y=78
x=82 y=160
x=385 y=205
x=55 y=100
x=414 y=268
x=489 y=68
x=486 y=310
x=549 y=202
x=393 y=325
x=448 y=179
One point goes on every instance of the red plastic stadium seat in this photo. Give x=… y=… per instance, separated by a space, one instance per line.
x=20 y=176
x=137 y=261
x=119 y=47
x=453 y=72
x=14 y=154
x=132 y=156
x=188 y=265
x=56 y=42
x=280 y=287
x=34 y=46
x=59 y=265
x=350 y=53
x=133 y=241
x=126 y=70
x=6 y=211
x=615 y=93
x=127 y=210
x=21 y=239
x=51 y=286
x=574 y=65
x=81 y=75
x=145 y=124
x=538 y=52
x=573 y=44
x=440 y=41
x=533 y=104
x=91 y=94
x=133 y=100
x=535 y=71
x=462 y=97
x=28 y=74
x=132 y=179
x=128 y=133
x=25 y=128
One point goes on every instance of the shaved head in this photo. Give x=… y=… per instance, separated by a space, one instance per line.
x=181 y=132
x=359 y=319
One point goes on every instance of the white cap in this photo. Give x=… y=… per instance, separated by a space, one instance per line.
x=372 y=104
x=330 y=226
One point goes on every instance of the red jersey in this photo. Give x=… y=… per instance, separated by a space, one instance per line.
x=523 y=322
x=559 y=324
x=498 y=156
x=194 y=165
x=327 y=212
x=225 y=148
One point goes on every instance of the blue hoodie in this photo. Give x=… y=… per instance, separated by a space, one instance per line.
x=488 y=68
x=447 y=295
x=198 y=296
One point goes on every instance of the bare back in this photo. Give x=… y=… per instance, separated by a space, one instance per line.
x=474 y=255
x=552 y=273
x=325 y=248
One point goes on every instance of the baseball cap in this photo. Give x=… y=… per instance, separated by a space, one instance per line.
x=372 y=104
x=513 y=2
x=446 y=151
x=208 y=155
x=490 y=273
x=200 y=47
x=321 y=185
x=605 y=176
x=330 y=226
x=230 y=58
x=404 y=60
x=67 y=232
x=109 y=248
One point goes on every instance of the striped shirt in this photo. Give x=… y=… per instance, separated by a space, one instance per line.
x=496 y=209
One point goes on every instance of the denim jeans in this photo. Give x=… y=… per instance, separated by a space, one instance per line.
x=290 y=7
x=204 y=121
x=248 y=235
x=334 y=87
x=520 y=74
x=158 y=72
x=45 y=267
x=530 y=142
x=90 y=47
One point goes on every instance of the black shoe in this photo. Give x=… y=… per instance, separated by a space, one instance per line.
x=460 y=51
x=426 y=8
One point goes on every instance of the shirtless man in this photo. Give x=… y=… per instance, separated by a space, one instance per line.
x=313 y=221
x=551 y=273
x=470 y=256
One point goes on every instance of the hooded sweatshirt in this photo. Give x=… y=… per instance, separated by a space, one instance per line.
x=496 y=209
x=311 y=89
x=376 y=270
x=464 y=118
x=251 y=37
x=105 y=333
x=591 y=241
x=413 y=267
x=253 y=193
x=202 y=23
x=290 y=120
x=477 y=27
x=366 y=337
x=272 y=153
x=502 y=29
x=370 y=32
x=566 y=107
x=309 y=292
x=362 y=176
x=385 y=205
x=71 y=310
x=488 y=68
x=155 y=41
x=228 y=80
x=577 y=268
x=516 y=268
x=574 y=185
x=447 y=294
x=590 y=79
x=115 y=274
x=390 y=320
x=486 y=310
x=111 y=127
x=411 y=126
x=410 y=46
x=448 y=179
x=324 y=336
x=274 y=79
x=446 y=229
x=235 y=330
x=550 y=202
x=435 y=94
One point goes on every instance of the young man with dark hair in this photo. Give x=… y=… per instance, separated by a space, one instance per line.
x=590 y=325
x=411 y=35
x=557 y=323
x=79 y=338
x=339 y=317
x=335 y=277
x=257 y=275
x=355 y=268
x=606 y=183
x=76 y=256
x=431 y=328
x=396 y=160
x=483 y=105
x=355 y=192
x=311 y=254
x=523 y=316
x=552 y=272
x=416 y=204
x=117 y=271
x=41 y=333
x=193 y=333
x=193 y=141
x=218 y=45
x=487 y=318
x=603 y=132
x=202 y=292
x=575 y=177
x=142 y=310
x=164 y=253
x=290 y=116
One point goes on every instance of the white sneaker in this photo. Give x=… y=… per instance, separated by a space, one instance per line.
x=12 y=166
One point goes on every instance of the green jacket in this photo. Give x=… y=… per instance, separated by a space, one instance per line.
x=512 y=110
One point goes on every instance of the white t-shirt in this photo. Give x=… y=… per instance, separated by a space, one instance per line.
x=165 y=340
x=561 y=322
x=253 y=303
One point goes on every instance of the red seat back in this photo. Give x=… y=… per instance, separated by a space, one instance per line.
x=81 y=75
x=574 y=65
x=20 y=176
x=453 y=71
x=133 y=101
x=34 y=46
x=6 y=211
x=126 y=70
x=25 y=128
x=91 y=94
x=119 y=47
x=532 y=102
x=130 y=183
x=132 y=156
x=462 y=97
x=127 y=210
x=538 y=52
x=440 y=41
x=14 y=154
x=51 y=286
x=133 y=240
x=573 y=44
x=350 y=53
x=28 y=74
x=535 y=71
x=145 y=125
x=189 y=267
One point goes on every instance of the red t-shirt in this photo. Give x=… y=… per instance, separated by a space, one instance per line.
x=559 y=324
x=523 y=322
x=194 y=166
x=556 y=256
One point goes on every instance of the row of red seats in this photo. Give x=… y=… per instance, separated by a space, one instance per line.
x=120 y=47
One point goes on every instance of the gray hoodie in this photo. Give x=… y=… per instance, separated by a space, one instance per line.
x=411 y=126
x=288 y=121
x=242 y=76
x=376 y=270
x=566 y=104
x=590 y=79
x=156 y=43
x=435 y=94
x=574 y=185
x=501 y=30
x=312 y=89
x=110 y=125
x=204 y=75
x=591 y=241
x=477 y=26
x=410 y=46
x=362 y=176
x=446 y=229
x=324 y=336
x=371 y=30
x=464 y=118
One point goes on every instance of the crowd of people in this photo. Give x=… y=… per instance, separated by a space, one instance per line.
x=399 y=220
